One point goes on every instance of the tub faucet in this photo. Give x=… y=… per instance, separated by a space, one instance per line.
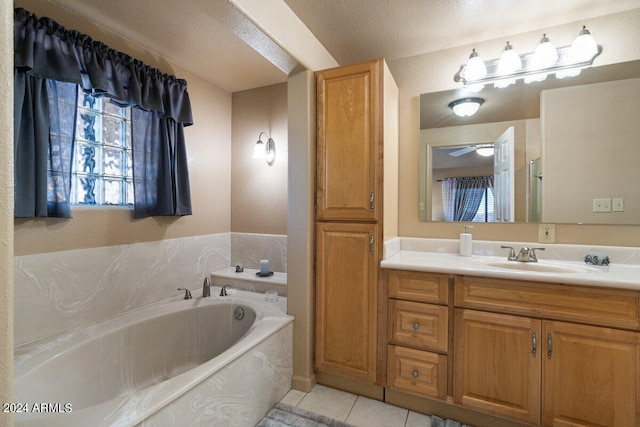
x=223 y=291
x=187 y=293
x=206 y=287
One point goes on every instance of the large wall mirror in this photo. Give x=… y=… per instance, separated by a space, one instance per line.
x=556 y=151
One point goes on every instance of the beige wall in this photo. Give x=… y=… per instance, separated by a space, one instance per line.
x=208 y=150
x=616 y=33
x=591 y=150
x=6 y=208
x=259 y=191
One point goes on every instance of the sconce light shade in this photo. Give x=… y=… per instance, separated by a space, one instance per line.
x=265 y=151
x=545 y=54
x=584 y=47
x=475 y=69
x=466 y=107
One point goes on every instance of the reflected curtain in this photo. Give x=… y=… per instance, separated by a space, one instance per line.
x=462 y=196
x=44 y=51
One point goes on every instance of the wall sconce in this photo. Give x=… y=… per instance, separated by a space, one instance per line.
x=466 y=107
x=532 y=67
x=265 y=151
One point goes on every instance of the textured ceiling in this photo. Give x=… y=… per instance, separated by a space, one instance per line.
x=212 y=39
x=358 y=30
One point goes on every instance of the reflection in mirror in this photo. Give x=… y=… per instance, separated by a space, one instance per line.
x=575 y=142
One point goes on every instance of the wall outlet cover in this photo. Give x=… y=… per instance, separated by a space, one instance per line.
x=546 y=233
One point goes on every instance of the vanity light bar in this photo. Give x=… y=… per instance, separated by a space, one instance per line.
x=564 y=63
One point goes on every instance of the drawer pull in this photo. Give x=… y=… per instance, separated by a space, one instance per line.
x=416 y=326
x=414 y=374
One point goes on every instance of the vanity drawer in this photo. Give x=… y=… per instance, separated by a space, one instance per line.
x=583 y=304
x=418 y=324
x=418 y=286
x=417 y=372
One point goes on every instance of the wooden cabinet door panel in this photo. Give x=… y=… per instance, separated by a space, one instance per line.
x=348 y=142
x=346 y=298
x=417 y=372
x=590 y=376
x=418 y=324
x=419 y=286
x=496 y=369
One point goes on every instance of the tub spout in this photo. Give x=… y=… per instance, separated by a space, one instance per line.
x=206 y=287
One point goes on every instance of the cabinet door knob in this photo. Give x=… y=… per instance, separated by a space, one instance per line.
x=416 y=326
x=414 y=374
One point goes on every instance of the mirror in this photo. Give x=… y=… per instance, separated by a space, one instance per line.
x=575 y=155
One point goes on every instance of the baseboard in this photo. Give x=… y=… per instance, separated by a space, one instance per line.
x=301 y=383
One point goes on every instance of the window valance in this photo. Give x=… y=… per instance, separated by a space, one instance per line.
x=47 y=50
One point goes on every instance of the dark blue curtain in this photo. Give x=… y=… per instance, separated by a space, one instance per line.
x=462 y=196
x=44 y=53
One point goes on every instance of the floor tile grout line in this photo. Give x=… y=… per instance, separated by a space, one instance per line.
x=352 y=406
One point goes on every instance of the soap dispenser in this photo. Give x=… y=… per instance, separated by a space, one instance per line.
x=465 y=241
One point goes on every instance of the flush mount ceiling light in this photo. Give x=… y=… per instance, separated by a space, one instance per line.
x=265 y=151
x=485 y=150
x=466 y=107
x=535 y=66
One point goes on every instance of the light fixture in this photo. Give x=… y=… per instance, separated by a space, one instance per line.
x=535 y=66
x=466 y=107
x=265 y=151
x=485 y=150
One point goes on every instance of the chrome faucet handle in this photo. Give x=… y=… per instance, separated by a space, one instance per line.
x=206 y=287
x=512 y=253
x=187 y=293
x=223 y=291
x=532 y=254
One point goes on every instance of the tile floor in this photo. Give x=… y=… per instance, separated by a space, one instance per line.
x=353 y=409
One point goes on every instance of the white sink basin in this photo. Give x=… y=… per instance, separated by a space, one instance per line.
x=541 y=267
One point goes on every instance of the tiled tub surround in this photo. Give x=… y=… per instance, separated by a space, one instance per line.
x=234 y=388
x=441 y=256
x=57 y=292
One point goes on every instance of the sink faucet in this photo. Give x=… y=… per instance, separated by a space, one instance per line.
x=525 y=254
x=206 y=287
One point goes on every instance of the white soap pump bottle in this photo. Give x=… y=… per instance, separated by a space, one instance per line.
x=465 y=241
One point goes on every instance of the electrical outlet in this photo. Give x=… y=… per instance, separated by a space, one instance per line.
x=602 y=205
x=546 y=233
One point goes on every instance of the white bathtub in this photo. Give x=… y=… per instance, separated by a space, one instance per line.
x=177 y=362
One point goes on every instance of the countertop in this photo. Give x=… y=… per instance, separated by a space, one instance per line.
x=622 y=276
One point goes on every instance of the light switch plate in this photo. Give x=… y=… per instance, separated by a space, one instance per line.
x=546 y=233
x=617 y=204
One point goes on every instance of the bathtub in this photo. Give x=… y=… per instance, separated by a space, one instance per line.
x=218 y=361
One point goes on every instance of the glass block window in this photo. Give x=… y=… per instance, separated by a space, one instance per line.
x=102 y=171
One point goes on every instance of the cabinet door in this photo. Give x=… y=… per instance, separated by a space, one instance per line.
x=346 y=298
x=498 y=364
x=348 y=142
x=590 y=376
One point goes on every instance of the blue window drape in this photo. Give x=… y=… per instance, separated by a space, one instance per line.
x=47 y=57
x=462 y=196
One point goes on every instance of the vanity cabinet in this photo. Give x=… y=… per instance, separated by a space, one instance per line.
x=547 y=354
x=357 y=144
x=418 y=326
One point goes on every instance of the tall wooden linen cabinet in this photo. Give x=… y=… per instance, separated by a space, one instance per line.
x=356 y=210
